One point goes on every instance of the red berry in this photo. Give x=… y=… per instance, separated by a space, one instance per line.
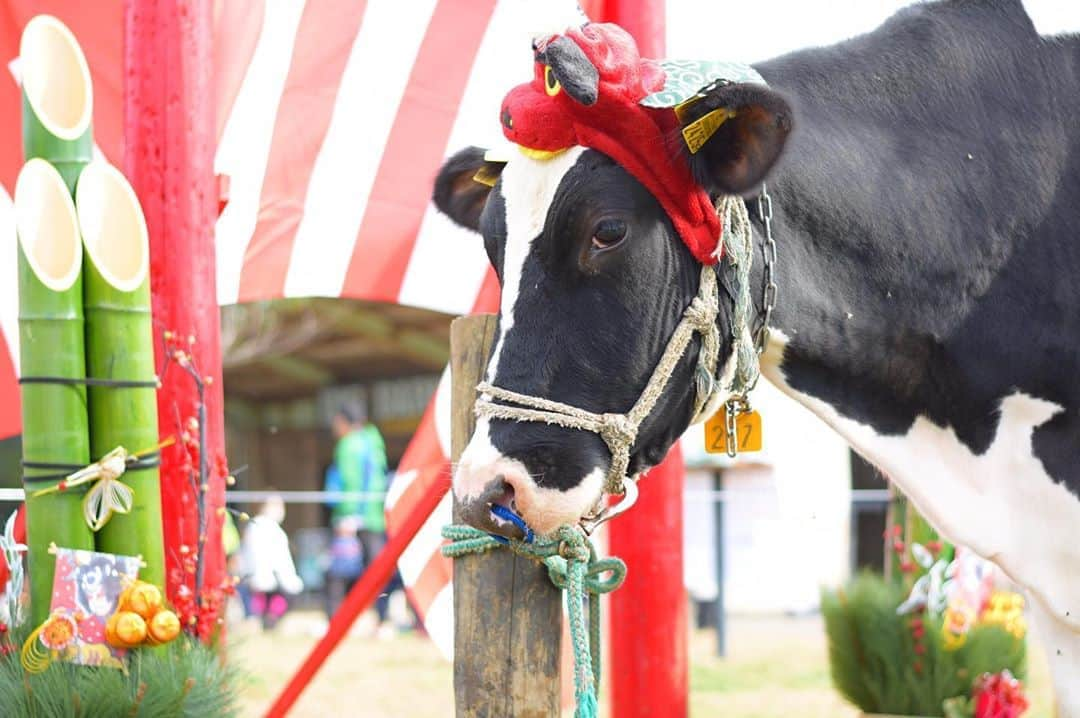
x=920 y=649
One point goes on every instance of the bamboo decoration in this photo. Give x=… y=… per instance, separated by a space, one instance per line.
x=119 y=349
x=54 y=416
x=58 y=98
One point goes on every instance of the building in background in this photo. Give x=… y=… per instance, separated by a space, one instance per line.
x=786 y=513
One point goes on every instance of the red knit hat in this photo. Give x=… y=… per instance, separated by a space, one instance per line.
x=601 y=107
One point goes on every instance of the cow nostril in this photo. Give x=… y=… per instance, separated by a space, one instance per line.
x=507 y=120
x=495 y=511
x=503 y=494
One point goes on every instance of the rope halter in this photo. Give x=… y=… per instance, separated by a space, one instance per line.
x=619 y=431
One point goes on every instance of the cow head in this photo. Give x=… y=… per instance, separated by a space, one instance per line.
x=596 y=270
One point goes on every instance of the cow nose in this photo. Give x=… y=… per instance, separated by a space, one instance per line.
x=507 y=120
x=477 y=512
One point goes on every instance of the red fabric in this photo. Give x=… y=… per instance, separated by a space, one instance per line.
x=10 y=405
x=415 y=149
x=323 y=42
x=644 y=141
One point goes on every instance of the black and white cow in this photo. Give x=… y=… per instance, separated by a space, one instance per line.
x=928 y=219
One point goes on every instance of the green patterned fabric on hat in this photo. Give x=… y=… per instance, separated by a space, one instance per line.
x=685 y=78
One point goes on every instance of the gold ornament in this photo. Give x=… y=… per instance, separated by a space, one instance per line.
x=163 y=627
x=142 y=598
x=125 y=629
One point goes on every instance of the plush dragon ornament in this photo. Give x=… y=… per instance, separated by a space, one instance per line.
x=591 y=87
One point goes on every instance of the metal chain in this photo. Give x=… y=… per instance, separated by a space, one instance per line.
x=768 y=295
x=741 y=404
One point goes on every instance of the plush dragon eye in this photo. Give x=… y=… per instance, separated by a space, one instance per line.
x=551 y=83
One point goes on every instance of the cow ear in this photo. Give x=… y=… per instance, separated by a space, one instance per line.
x=463 y=184
x=736 y=156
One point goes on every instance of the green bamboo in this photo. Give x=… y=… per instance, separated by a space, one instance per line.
x=57 y=98
x=56 y=128
x=119 y=346
x=54 y=416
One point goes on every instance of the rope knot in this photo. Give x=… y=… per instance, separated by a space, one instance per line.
x=573 y=567
x=573 y=546
x=618 y=429
x=702 y=312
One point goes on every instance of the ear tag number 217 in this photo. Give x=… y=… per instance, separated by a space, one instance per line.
x=747 y=432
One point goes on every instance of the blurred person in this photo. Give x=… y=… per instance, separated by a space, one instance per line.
x=267 y=563
x=345 y=565
x=234 y=563
x=360 y=466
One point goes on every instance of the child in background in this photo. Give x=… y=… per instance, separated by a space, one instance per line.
x=268 y=563
x=346 y=563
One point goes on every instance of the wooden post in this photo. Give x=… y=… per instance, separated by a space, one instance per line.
x=507 y=614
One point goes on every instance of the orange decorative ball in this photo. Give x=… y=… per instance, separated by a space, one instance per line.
x=125 y=629
x=143 y=598
x=110 y=632
x=164 y=626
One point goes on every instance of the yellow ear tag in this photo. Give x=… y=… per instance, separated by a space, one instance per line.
x=698 y=132
x=485 y=175
x=747 y=432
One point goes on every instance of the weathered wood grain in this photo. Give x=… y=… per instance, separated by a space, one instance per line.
x=508 y=616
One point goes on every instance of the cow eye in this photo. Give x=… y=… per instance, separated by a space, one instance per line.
x=609 y=233
x=551 y=83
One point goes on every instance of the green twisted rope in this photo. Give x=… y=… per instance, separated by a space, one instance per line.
x=573 y=567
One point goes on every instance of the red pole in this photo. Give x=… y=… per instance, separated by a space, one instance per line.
x=359 y=598
x=169 y=141
x=648 y=629
x=649 y=670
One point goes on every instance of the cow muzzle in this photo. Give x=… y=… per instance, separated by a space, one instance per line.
x=485 y=478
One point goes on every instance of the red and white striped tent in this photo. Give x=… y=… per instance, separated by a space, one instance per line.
x=333 y=117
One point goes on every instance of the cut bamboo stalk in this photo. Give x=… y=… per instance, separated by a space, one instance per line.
x=54 y=417
x=120 y=347
x=58 y=98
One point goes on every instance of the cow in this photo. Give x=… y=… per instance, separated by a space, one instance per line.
x=925 y=179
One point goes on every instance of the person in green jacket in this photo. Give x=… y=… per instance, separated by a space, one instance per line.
x=360 y=464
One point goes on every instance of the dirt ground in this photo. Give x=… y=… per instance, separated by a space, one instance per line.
x=775 y=668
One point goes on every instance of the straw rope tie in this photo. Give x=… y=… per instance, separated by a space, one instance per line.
x=136 y=462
